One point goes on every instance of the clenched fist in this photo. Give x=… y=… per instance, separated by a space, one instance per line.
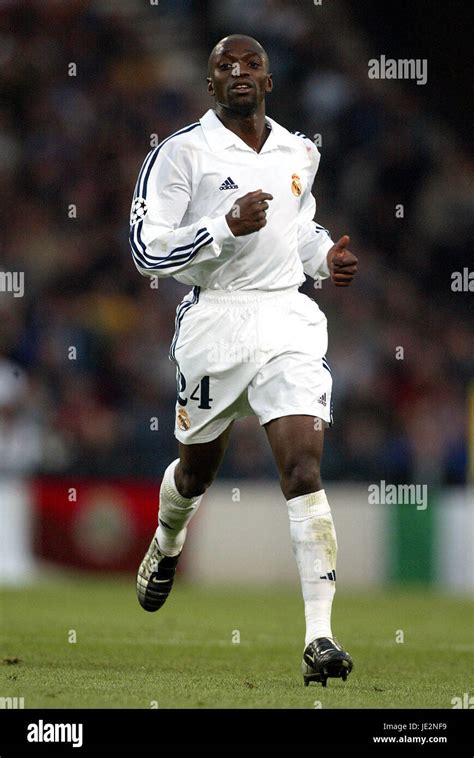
x=248 y=214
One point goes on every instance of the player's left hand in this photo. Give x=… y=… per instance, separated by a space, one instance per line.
x=342 y=263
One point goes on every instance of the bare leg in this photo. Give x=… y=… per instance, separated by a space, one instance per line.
x=198 y=465
x=297 y=448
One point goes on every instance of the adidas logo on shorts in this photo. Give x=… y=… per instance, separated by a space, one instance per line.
x=229 y=184
x=323 y=399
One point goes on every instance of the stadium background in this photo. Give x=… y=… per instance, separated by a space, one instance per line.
x=85 y=435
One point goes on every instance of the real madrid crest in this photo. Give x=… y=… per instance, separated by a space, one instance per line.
x=296 y=185
x=183 y=420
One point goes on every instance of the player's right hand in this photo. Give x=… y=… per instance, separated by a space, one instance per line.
x=248 y=214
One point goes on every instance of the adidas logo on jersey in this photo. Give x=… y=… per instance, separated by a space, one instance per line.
x=229 y=184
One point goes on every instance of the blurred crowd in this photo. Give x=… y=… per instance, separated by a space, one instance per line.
x=86 y=387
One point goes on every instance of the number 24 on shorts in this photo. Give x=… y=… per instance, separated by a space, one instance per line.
x=200 y=392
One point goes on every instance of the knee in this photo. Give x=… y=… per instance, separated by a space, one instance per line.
x=191 y=483
x=301 y=477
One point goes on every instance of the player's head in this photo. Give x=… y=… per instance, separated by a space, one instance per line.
x=239 y=60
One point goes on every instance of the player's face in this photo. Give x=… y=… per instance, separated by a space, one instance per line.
x=239 y=77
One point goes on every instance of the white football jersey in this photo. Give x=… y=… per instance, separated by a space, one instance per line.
x=190 y=182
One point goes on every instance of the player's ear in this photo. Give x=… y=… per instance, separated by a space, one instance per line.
x=269 y=84
x=210 y=86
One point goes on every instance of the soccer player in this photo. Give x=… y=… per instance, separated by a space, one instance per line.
x=225 y=205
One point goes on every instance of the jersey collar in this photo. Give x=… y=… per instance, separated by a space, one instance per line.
x=220 y=138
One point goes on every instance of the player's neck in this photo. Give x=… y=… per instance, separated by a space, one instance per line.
x=252 y=128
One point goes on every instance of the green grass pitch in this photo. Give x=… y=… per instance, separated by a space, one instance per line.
x=187 y=656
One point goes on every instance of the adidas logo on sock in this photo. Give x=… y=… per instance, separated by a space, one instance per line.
x=331 y=575
x=229 y=184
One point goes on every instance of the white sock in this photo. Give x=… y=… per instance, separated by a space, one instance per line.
x=315 y=547
x=174 y=514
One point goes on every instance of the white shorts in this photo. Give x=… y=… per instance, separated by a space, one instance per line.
x=248 y=353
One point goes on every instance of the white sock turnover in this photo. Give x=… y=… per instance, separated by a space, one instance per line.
x=174 y=514
x=314 y=543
